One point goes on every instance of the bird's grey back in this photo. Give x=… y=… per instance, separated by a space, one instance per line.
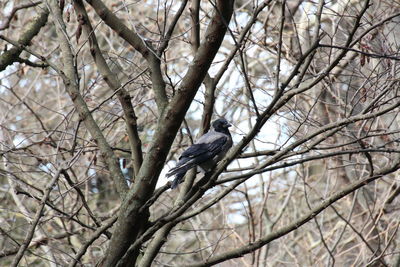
x=210 y=137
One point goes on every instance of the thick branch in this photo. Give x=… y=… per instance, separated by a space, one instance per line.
x=32 y=29
x=168 y=34
x=70 y=79
x=130 y=220
x=6 y=23
x=140 y=45
x=211 y=83
x=115 y=85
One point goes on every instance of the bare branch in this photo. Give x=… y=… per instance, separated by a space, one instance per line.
x=140 y=45
x=32 y=29
x=115 y=85
x=163 y=138
x=108 y=224
x=36 y=219
x=72 y=87
x=5 y=24
x=302 y=220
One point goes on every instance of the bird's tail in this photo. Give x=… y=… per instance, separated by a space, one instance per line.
x=181 y=167
x=178 y=179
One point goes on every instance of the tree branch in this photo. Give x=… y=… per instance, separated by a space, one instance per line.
x=238 y=252
x=110 y=78
x=41 y=241
x=167 y=37
x=32 y=29
x=140 y=45
x=7 y=21
x=70 y=79
x=36 y=219
x=106 y=225
x=129 y=221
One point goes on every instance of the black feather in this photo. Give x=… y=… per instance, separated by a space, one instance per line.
x=206 y=152
x=210 y=149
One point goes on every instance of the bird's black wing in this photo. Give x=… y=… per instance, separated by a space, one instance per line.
x=198 y=153
x=203 y=153
x=207 y=150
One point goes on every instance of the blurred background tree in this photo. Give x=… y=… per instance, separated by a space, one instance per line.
x=99 y=98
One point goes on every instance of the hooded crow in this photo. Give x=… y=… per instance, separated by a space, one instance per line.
x=205 y=152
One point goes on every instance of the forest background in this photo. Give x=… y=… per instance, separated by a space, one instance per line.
x=98 y=98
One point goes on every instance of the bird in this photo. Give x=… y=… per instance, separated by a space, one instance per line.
x=205 y=153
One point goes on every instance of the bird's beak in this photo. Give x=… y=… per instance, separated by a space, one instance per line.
x=228 y=125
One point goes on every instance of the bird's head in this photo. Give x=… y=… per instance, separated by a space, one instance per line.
x=221 y=125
